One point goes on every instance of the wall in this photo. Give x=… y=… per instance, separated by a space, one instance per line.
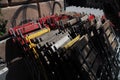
x=16 y=12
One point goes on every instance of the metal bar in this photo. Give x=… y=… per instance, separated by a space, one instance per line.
x=38 y=6
x=38 y=33
x=61 y=42
x=73 y=41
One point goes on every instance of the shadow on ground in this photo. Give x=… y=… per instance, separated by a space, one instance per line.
x=17 y=67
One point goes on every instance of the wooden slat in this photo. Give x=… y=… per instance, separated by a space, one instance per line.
x=111 y=38
x=114 y=45
x=108 y=32
x=106 y=24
